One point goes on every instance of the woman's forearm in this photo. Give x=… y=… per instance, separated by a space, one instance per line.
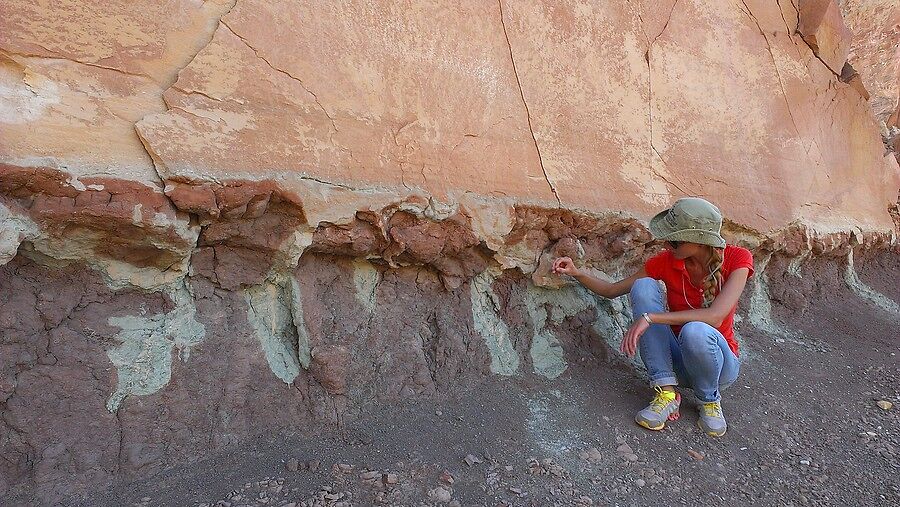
x=594 y=284
x=717 y=312
x=708 y=315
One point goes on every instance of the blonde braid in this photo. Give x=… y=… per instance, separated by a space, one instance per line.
x=712 y=284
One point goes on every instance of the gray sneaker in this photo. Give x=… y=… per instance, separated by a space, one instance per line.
x=663 y=407
x=712 y=421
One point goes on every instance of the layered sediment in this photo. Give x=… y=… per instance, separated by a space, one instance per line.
x=224 y=220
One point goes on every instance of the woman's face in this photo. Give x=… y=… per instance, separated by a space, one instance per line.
x=682 y=249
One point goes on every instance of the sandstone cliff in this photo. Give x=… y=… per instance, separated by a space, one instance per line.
x=220 y=218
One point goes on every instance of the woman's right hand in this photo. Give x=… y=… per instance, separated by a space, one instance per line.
x=565 y=266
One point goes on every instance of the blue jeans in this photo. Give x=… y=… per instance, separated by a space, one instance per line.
x=699 y=357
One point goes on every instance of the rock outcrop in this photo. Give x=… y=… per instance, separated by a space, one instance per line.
x=875 y=53
x=225 y=218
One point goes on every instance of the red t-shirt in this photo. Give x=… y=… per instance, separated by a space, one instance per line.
x=680 y=292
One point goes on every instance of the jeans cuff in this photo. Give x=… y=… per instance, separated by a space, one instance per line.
x=664 y=381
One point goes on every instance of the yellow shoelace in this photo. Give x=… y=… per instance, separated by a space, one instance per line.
x=661 y=400
x=712 y=409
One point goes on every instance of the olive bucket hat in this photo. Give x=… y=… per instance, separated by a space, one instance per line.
x=690 y=219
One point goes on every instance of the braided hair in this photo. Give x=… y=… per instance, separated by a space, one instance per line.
x=712 y=284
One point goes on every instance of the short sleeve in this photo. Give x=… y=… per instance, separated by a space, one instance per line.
x=739 y=258
x=655 y=266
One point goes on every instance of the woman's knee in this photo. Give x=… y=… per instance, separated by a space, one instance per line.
x=696 y=337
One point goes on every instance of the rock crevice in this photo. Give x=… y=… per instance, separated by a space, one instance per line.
x=525 y=105
x=282 y=72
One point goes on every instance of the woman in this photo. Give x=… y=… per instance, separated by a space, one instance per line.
x=692 y=343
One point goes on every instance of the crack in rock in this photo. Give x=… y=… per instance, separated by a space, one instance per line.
x=283 y=72
x=525 y=103
x=60 y=58
x=650 y=94
x=778 y=76
x=174 y=79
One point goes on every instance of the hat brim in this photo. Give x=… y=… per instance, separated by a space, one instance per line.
x=661 y=230
x=658 y=226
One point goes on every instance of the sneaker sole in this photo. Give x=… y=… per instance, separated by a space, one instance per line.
x=711 y=433
x=645 y=424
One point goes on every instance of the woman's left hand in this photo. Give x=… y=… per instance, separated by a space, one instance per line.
x=630 y=341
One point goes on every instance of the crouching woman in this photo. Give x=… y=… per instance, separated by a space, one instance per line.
x=691 y=344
